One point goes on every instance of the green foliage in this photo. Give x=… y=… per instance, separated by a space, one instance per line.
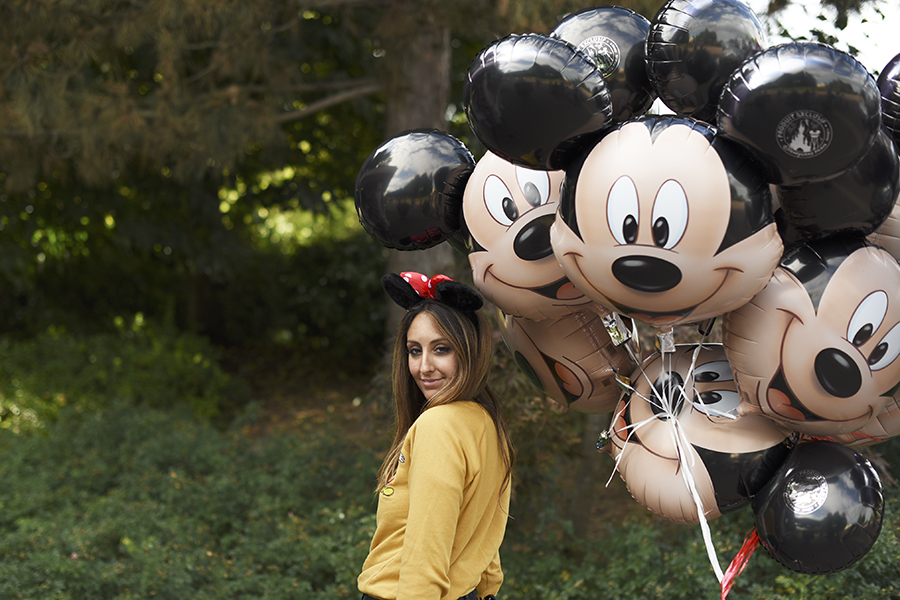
x=136 y=502
x=138 y=364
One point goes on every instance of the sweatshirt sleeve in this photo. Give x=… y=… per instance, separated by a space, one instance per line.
x=438 y=473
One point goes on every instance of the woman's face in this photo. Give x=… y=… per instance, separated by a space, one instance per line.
x=432 y=361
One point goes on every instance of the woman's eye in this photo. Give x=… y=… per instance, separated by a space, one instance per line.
x=414 y=351
x=443 y=350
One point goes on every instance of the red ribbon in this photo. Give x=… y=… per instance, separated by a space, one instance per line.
x=423 y=285
x=740 y=561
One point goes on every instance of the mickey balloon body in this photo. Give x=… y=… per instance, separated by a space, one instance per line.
x=679 y=420
x=887 y=235
x=822 y=511
x=507 y=214
x=571 y=358
x=817 y=350
x=613 y=37
x=694 y=46
x=665 y=221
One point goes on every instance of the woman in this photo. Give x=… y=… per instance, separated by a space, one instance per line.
x=443 y=489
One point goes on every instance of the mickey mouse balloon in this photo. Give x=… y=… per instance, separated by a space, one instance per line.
x=817 y=350
x=666 y=222
x=507 y=214
x=409 y=190
x=613 y=37
x=694 y=46
x=681 y=418
x=809 y=111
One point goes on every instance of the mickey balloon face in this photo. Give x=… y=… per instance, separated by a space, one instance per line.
x=665 y=222
x=817 y=349
x=508 y=210
x=682 y=415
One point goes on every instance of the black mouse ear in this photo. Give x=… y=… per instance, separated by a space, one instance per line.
x=458 y=295
x=807 y=110
x=400 y=291
x=692 y=49
x=533 y=99
x=409 y=190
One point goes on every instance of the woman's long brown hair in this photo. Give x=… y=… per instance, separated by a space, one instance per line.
x=471 y=340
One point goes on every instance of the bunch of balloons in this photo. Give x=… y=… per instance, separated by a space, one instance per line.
x=767 y=197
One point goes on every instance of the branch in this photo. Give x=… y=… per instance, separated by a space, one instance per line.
x=328 y=102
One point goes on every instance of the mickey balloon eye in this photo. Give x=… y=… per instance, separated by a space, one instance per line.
x=885 y=352
x=867 y=318
x=670 y=215
x=535 y=185
x=718 y=370
x=622 y=211
x=499 y=201
x=718 y=403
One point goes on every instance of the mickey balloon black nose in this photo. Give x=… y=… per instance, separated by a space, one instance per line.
x=837 y=373
x=646 y=273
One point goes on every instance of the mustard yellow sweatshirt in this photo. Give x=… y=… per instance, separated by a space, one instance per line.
x=442 y=518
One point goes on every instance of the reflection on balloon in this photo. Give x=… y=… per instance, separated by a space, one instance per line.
x=614 y=38
x=694 y=47
x=409 y=190
x=856 y=201
x=681 y=418
x=571 y=358
x=808 y=110
x=889 y=87
x=533 y=99
x=823 y=511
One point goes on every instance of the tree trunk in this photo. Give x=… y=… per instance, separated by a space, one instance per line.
x=418 y=76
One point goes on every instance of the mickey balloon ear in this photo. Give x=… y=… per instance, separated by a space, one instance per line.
x=409 y=190
x=889 y=86
x=694 y=47
x=809 y=111
x=613 y=37
x=533 y=99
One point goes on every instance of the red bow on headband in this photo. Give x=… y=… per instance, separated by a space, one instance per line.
x=424 y=287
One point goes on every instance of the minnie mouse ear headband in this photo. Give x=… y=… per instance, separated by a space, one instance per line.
x=409 y=289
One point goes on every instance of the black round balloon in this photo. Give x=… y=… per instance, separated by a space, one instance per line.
x=613 y=37
x=533 y=100
x=856 y=201
x=822 y=511
x=889 y=87
x=692 y=49
x=409 y=190
x=809 y=111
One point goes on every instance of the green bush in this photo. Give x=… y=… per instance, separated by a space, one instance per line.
x=137 y=363
x=136 y=502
